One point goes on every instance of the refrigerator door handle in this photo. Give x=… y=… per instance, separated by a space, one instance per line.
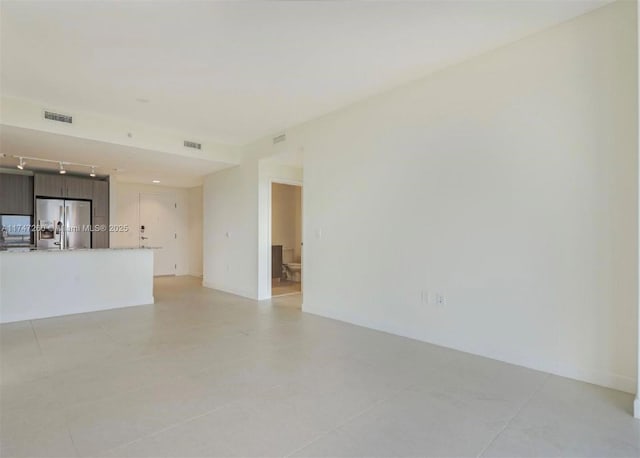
x=60 y=231
x=61 y=225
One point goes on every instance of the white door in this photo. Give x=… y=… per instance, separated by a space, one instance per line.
x=158 y=224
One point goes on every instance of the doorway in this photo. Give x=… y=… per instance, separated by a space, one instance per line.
x=286 y=239
x=157 y=229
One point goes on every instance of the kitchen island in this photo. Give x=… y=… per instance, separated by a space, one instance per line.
x=45 y=283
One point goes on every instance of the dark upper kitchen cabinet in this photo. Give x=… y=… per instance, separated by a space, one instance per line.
x=48 y=185
x=100 y=237
x=101 y=198
x=78 y=188
x=63 y=186
x=16 y=194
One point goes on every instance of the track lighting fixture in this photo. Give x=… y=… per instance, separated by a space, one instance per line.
x=61 y=164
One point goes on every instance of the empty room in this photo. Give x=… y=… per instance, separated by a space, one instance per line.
x=319 y=228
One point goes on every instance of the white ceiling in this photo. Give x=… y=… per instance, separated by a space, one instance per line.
x=123 y=163
x=238 y=71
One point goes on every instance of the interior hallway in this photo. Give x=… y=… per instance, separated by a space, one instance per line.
x=205 y=373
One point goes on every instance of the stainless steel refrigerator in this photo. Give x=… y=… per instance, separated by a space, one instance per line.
x=63 y=223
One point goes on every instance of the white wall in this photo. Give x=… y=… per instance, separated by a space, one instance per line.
x=230 y=236
x=508 y=184
x=636 y=404
x=236 y=201
x=125 y=209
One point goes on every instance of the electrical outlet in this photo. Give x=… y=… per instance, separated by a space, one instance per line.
x=432 y=298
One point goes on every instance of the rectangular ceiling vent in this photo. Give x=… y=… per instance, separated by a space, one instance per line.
x=279 y=139
x=194 y=145
x=58 y=117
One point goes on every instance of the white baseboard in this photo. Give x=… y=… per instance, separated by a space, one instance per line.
x=229 y=291
x=608 y=380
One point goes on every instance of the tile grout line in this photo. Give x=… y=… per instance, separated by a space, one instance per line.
x=36 y=337
x=350 y=419
x=166 y=428
x=73 y=443
x=189 y=419
x=225 y=404
x=516 y=413
x=150 y=384
x=102 y=327
x=181 y=422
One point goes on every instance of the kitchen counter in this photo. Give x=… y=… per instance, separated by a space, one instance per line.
x=58 y=250
x=35 y=283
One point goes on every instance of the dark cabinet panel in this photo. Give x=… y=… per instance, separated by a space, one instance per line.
x=16 y=194
x=100 y=238
x=101 y=198
x=63 y=186
x=101 y=213
x=78 y=188
x=48 y=185
x=26 y=192
x=276 y=261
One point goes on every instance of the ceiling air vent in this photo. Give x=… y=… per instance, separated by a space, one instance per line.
x=58 y=117
x=279 y=139
x=194 y=145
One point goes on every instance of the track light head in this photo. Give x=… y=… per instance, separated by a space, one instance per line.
x=21 y=164
x=93 y=172
x=62 y=170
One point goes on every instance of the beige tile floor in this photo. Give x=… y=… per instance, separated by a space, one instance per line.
x=202 y=373
x=281 y=287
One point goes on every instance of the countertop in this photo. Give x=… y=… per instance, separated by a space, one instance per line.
x=68 y=250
